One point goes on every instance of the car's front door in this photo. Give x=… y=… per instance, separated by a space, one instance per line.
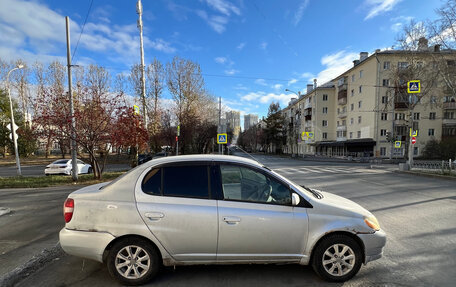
x=257 y=221
x=176 y=205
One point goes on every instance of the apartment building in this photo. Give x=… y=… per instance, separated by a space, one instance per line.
x=250 y=120
x=233 y=122
x=356 y=113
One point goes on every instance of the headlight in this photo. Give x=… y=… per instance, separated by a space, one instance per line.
x=372 y=222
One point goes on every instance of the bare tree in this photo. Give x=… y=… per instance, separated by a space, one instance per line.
x=155 y=76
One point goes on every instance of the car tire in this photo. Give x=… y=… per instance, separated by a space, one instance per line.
x=337 y=258
x=89 y=170
x=126 y=269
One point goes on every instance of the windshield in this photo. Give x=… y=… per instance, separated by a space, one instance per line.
x=61 y=161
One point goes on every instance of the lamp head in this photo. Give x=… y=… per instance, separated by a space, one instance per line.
x=20 y=66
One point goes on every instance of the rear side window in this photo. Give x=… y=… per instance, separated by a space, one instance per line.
x=152 y=182
x=186 y=181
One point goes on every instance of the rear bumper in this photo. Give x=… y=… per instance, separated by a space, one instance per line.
x=373 y=244
x=86 y=244
x=57 y=171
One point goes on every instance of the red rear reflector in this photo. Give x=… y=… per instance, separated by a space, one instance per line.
x=68 y=208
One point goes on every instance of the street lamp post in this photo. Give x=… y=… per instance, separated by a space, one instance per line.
x=13 y=134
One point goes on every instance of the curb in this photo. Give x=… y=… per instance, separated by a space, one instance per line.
x=23 y=271
x=430 y=175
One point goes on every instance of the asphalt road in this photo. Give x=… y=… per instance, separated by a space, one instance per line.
x=417 y=213
x=38 y=170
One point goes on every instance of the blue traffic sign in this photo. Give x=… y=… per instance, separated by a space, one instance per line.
x=222 y=138
x=413 y=87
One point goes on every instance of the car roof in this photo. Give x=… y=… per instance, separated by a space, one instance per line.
x=201 y=157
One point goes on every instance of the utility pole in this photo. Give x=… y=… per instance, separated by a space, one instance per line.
x=220 y=122
x=143 y=78
x=13 y=125
x=74 y=163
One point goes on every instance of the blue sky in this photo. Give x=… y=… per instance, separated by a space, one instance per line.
x=249 y=51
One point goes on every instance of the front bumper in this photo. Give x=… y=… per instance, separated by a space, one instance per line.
x=373 y=244
x=86 y=244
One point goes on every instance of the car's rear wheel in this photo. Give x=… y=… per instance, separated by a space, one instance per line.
x=133 y=261
x=337 y=258
x=89 y=170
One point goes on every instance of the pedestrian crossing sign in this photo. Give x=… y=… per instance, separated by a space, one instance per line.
x=303 y=136
x=397 y=144
x=413 y=87
x=222 y=138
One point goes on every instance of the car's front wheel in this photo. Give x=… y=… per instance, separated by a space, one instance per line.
x=337 y=258
x=133 y=261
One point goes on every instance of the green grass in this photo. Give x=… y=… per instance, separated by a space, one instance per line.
x=53 y=180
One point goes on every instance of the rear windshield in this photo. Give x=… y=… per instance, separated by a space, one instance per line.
x=61 y=161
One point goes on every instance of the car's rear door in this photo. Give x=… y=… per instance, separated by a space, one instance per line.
x=176 y=205
x=257 y=221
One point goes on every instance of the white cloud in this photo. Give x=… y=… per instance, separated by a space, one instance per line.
x=292 y=81
x=399 y=22
x=220 y=60
x=277 y=86
x=266 y=98
x=396 y=27
x=231 y=72
x=263 y=45
x=223 y=7
x=40 y=34
x=335 y=65
x=241 y=46
x=379 y=6
x=261 y=82
x=216 y=22
x=307 y=76
x=241 y=87
x=300 y=12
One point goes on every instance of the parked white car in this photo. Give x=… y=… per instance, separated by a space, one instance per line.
x=211 y=209
x=64 y=166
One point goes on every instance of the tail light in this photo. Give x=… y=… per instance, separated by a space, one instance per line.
x=68 y=208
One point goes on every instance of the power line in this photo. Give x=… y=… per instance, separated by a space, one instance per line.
x=82 y=30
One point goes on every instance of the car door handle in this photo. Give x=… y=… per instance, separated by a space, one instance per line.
x=231 y=219
x=154 y=215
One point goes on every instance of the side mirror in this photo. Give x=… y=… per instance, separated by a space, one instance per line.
x=295 y=199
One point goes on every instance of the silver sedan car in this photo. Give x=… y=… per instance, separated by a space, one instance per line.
x=210 y=209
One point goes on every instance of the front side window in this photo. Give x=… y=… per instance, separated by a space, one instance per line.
x=245 y=184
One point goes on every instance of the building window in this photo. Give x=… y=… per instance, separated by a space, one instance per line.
x=433 y=100
x=384 y=116
x=384 y=99
x=399 y=116
x=386 y=65
x=430 y=132
x=360 y=74
x=325 y=97
x=324 y=123
x=359 y=119
x=382 y=133
x=402 y=65
x=360 y=89
x=351 y=121
x=325 y=135
x=353 y=78
x=359 y=104
x=382 y=151
x=325 y=110
x=359 y=134
x=352 y=92
x=386 y=82
x=352 y=107
x=416 y=116
x=432 y=116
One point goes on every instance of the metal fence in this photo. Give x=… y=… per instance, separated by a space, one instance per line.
x=436 y=166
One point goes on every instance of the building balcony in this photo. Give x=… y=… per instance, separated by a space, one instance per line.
x=341 y=128
x=449 y=122
x=342 y=97
x=449 y=106
x=308 y=124
x=342 y=114
x=308 y=105
x=400 y=105
x=400 y=122
x=341 y=139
